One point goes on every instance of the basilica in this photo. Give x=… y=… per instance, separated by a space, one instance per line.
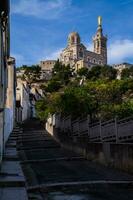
x=77 y=55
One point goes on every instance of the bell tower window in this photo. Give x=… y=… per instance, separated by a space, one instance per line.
x=81 y=54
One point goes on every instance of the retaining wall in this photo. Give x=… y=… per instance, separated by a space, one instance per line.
x=110 y=154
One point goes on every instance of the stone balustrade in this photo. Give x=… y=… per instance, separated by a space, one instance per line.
x=113 y=130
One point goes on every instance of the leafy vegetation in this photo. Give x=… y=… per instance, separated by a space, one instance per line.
x=102 y=72
x=127 y=73
x=101 y=95
x=62 y=73
x=83 y=71
x=31 y=73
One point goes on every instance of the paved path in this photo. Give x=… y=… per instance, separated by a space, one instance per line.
x=55 y=173
x=12 y=180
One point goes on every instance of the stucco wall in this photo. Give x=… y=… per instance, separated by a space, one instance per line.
x=1 y=134
x=9 y=122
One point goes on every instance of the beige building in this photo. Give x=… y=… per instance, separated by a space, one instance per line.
x=77 y=55
x=47 y=65
x=46 y=69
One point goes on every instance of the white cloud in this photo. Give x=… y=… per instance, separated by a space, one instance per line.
x=90 y=47
x=52 y=55
x=48 y=9
x=19 y=59
x=120 y=51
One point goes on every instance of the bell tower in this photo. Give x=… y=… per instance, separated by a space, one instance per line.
x=100 y=41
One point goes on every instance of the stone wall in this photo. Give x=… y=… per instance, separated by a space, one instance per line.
x=119 y=156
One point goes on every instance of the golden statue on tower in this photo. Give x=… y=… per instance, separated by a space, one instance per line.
x=99 y=21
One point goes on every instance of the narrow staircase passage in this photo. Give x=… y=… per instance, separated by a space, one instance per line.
x=55 y=173
x=12 y=180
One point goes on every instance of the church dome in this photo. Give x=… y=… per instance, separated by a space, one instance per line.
x=73 y=38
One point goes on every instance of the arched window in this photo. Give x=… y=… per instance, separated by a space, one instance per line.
x=98 y=44
x=81 y=54
x=73 y=40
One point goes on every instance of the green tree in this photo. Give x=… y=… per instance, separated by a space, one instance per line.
x=32 y=73
x=127 y=73
x=82 y=72
x=62 y=73
x=108 y=72
x=101 y=96
x=94 y=73
x=53 y=86
x=41 y=109
x=102 y=72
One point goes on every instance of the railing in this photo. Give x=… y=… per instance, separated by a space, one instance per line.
x=95 y=132
x=125 y=129
x=110 y=131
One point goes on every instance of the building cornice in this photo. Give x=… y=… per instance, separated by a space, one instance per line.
x=4 y=7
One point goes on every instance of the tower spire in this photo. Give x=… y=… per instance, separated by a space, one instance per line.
x=100 y=41
x=99 y=21
x=99 y=29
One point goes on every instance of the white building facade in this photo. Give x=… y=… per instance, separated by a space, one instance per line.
x=26 y=97
x=7 y=78
x=22 y=100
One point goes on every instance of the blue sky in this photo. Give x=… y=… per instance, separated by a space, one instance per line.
x=39 y=28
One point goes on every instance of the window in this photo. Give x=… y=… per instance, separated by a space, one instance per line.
x=98 y=44
x=100 y=62
x=94 y=61
x=73 y=39
x=103 y=44
x=81 y=54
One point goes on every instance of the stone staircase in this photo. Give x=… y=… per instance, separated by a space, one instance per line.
x=12 y=180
